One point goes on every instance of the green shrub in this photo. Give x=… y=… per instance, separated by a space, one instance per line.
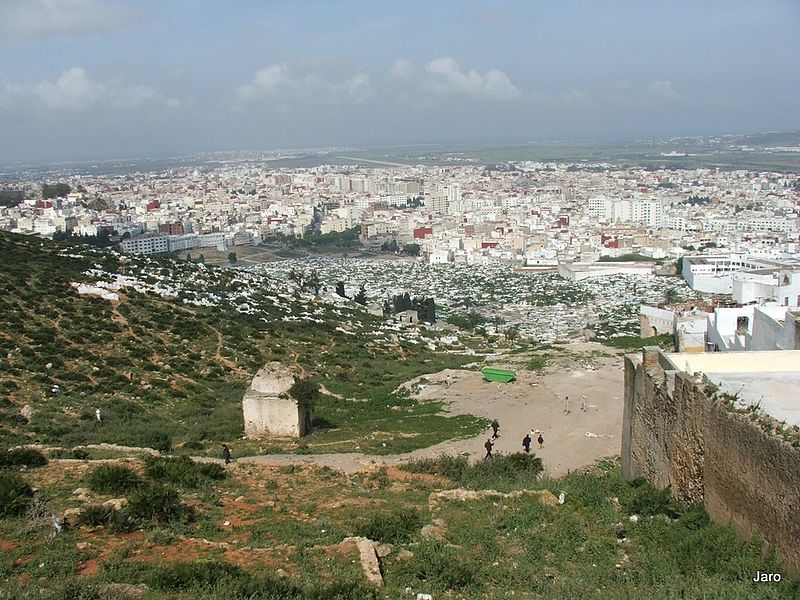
x=158 y=503
x=443 y=567
x=306 y=392
x=18 y=457
x=95 y=515
x=393 y=527
x=113 y=479
x=157 y=440
x=646 y=500
x=452 y=467
x=183 y=471
x=187 y=575
x=15 y=495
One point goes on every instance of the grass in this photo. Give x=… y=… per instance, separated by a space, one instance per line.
x=293 y=519
x=627 y=342
x=176 y=373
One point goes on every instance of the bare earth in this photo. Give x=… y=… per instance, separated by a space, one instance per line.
x=571 y=441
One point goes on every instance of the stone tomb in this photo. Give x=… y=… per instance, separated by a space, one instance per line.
x=269 y=410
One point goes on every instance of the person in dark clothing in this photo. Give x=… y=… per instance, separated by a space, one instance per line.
x=526 y=442
x=540 y=440
x=226 y=454
x=495 y=428
x=488 y=445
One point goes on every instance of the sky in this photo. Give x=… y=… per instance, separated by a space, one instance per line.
x=101 y=79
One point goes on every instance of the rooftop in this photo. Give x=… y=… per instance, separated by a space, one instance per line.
x=770 y=378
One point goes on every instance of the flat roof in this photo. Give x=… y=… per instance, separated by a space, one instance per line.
x=771 y=378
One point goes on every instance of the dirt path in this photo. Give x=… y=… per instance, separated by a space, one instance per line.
x=572 y=441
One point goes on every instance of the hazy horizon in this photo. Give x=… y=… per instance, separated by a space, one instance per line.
x=99 y=80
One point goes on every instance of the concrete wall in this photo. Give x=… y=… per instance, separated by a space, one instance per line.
x=674 y=435
x=266 y=416
x=268 y=409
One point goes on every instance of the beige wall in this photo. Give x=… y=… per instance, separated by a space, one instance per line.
x=266 y=416
x=675 y=435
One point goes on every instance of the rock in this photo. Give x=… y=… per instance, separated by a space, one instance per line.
x=239 y=499
x=70 y=516
x=27 y=412
x=81 y=492
x=369 y=560
x=405 y=554
x=435 y=531
x=422 y=596
x=48 y=365
x=461 y=495
x=281 y=573
x=116 y=503
x=383 y=550
x=124 y=589
x=83 y=546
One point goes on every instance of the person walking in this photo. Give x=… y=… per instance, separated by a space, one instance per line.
x=584 y=403
x=495 y=428
x=540 y=439
x=488 y=445
x=526 y=443
x=226 y=454
x=566 y=405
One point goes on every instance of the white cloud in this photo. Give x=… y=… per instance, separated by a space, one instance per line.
x=73 y=90
x=38 y=19
x=446 y=77
x=402 y=68
x=282 y=87
x=663 y=89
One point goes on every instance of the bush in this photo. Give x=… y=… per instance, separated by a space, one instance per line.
x=647 y=500
x=18 y=457
x=391 y=527
x=306 y=392
x=113 y=479
x=508 y=470
x=452 y=467
x=157 y=440
x=183 y=471
x=187 y=575
x=94 y=515
x=15 y=495
x=158 y=503
x=443 y=567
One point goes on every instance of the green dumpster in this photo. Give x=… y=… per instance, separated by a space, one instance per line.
x=501 y=375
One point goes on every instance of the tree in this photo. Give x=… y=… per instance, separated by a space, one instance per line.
x=361 y=296
x=511 y=333
x=306 y=392
x=340 y=289
x=201 y=259
x=232 y=258
x=56 y=190
x=189 y=256
x=313 y=282
x=411 y=249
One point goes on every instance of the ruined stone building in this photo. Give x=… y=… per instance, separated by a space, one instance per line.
x=269 y=410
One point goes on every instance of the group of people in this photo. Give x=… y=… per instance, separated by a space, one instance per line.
x=526 y=441
x=568 y=404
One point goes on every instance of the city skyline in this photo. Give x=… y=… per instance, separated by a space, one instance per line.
x=89 y=79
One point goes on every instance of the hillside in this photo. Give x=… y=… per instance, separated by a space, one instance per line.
x=168 y=352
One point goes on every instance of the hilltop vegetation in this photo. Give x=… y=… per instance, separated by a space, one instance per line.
x=167 y=362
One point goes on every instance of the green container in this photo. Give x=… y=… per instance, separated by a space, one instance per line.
x=501 y=375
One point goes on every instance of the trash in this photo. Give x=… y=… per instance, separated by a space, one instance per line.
x=562 y=497
x=634 y=518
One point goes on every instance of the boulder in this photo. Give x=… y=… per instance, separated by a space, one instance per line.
x=27 y=412
x=369 y=559
x=116 y=503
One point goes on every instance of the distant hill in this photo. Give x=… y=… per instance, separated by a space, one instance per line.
x=770 y=138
